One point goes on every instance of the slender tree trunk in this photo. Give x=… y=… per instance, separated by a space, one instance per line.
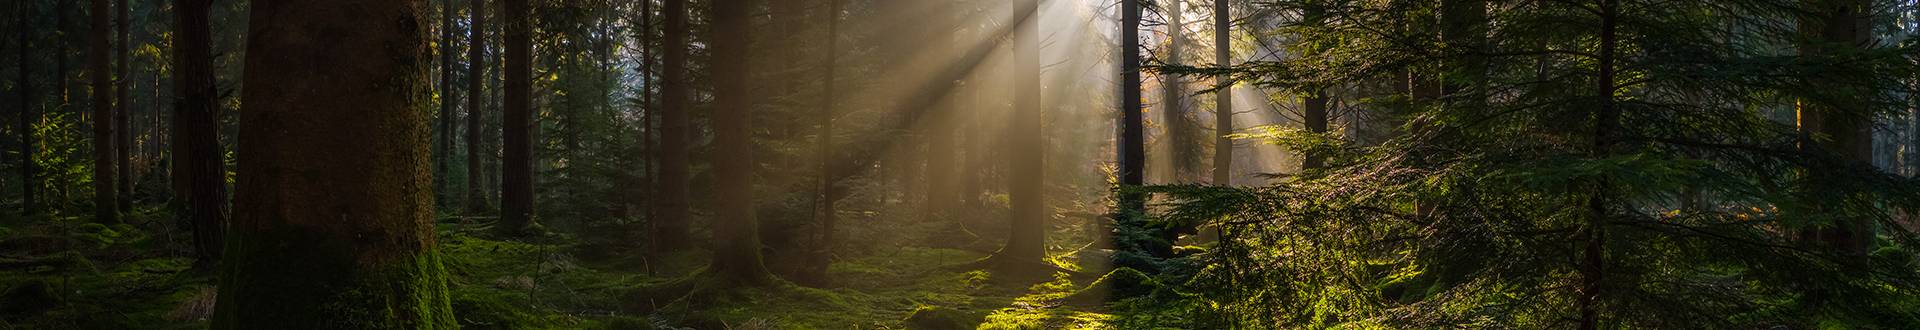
x=1223 y=98
x=204 y=159
x=1132 y=150
x=828 y=179
x=476 y=70
x=648 y=116
x=1173 y=100
x=736 y=232
x=105 y=190
x=61 y=34
x=1314 y=111
x=671 y=189
x=333 y=225
x=123 y=134
x=29 y=114
x=444 y=149
x=517 y=180
x=1606 y=127
x=940 y=125
x=1026 y=242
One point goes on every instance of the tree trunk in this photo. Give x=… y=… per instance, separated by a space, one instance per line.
x=444 y=146
x=1314 y=111
x=649 y=149
x=1223 y=98
x=1132 y=150
x=333 y=225
x=28 y=115
x=105 y=190
x=199 y=119
x=1173 y=101
x=1026 y=190
x=123 y=122
x=1606 y=127
x=516 y=204
x=828 y=179
x=671 y=189
x=476 y=71
x=736 y=232
x=939 y=125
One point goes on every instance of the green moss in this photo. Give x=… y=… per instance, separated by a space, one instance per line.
x=1120 y=283
x=294 y=276
x=939 y=318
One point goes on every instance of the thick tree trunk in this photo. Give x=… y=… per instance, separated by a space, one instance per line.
x=1223 y=98
x=516 y=204
x=200 y=137
x=649 y=149
x=1839 y=132
x=736 y=231
x=1132 y=149
x=105 y=191
x=333 y=225
x=476 y=71
x=671 y=189
x=1026 y=188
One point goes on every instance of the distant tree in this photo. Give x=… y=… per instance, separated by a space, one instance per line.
x=736 y=231
x=199 y=118
x=1174 y=112
x=940 y=124
x=1026 y=188
x=517 y=182
x=122 y=121
x=829 y=179
x=1837 y=28
x=105 y=200
x=671 y=188
x=444 y=148
x=333 y=221
x=29 y=113
x=476 y=71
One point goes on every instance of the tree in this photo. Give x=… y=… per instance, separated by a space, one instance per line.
x=1132 y=149
x=1173 y=99
x=333 y=221
x=1223 y=98
x=476 y=73
x=829 y=179
x=517 y=183
x=444 y=149
x=28 y=114
x=199 y=134
x=671 y=188
x=940 y=125
x=106 y=204
x=1026 y=190
x=737 y=257
x=123 y=137
x=1837 y=28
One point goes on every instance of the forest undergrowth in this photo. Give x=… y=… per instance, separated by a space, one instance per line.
x=69 y=273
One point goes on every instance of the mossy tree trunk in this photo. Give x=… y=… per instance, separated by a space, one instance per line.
x=333 y=218
x=200 y=134
x=736 y=231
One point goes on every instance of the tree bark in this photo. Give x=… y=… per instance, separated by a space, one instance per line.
x=516 y=204
x=199 y=119
x=1606 y=126
x=1132 y=150
x=105 y=191
x=444 y=150
x=1314 y=113
x=476 y=71
x=123 y=122
x=1173 y=101
x=333 y=225
x=1026 y=243
x=671 y=188
x=829 y=180
x=1223 y=98
x=736 y=231
x=942 y=146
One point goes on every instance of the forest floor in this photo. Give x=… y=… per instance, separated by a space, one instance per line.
x=64 y=273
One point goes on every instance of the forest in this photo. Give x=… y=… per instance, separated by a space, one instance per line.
x=960 y=164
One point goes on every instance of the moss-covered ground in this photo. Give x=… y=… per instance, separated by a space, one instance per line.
x=63 y=273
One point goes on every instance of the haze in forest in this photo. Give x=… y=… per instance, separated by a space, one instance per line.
x=959 y=164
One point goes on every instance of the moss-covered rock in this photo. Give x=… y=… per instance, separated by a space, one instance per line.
x=941 y=318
